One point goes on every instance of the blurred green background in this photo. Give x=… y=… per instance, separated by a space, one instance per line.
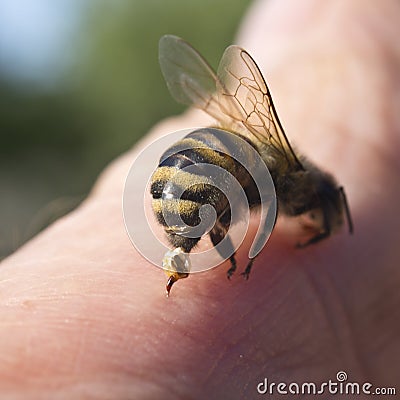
x=80 y=84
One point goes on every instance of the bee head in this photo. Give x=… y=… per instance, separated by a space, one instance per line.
x=332 y=202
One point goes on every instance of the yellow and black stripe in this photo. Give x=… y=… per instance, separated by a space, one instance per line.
x=177 y=192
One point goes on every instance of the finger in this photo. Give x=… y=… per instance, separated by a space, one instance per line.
x=323 y=95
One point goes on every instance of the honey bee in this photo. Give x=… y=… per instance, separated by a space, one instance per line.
x=238 y=98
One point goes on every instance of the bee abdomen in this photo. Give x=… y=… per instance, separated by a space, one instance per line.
x=171 y=209
x=199 y=147
x=183 y=192
x=184 y=172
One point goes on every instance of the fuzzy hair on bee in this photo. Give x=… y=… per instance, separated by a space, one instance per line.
x=239 y=100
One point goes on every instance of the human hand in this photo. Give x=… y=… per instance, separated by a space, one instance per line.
x=85 y=316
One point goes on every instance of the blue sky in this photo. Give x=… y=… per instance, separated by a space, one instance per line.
x=36 y=36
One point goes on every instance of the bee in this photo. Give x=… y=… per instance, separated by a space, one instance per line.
x=238 y=98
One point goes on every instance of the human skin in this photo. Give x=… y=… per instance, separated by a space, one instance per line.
x=83 y=315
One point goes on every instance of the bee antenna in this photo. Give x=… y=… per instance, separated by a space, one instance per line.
x=347 y=210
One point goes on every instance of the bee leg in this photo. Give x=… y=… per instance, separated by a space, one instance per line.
x=232 y=269
x=217 y=234
x=246 y=272
x=269 y=222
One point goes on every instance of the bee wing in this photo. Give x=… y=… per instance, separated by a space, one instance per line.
x=192 y=81
x=237 y=97
x=240 y=82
